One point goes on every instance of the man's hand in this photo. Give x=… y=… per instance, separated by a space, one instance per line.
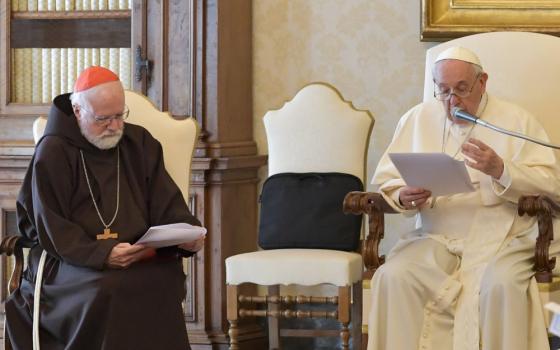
x=413 y=197
x=124 y=254
x=193 y=246
x=483 y=158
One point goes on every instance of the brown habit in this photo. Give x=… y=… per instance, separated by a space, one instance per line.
x=84 y=305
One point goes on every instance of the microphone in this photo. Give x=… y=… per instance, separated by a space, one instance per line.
x=458 y=113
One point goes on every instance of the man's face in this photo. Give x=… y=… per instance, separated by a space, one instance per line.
x=105 y=102
x=458 y=76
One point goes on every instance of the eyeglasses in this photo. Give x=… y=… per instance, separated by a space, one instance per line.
x=103 y=120
x=445 y=94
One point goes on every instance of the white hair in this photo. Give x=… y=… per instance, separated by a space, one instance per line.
x=81 y=98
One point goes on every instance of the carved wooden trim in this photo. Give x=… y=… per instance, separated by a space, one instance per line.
x=9 y=277
x=138 y=25
x=544 y=209
x=5 y=55
x=164 y=62
x=287 y=299
x=286 y=307
x=191 y=297
x=199 y=66
x=290 y=301
x=192 y=55
x=72 y=14
x=54 y=33
x=232 y=313
x=10 y=246
x=288 y=313
x=375 y=206
x=5 y=273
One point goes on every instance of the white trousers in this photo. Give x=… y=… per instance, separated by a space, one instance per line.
x=511 y=316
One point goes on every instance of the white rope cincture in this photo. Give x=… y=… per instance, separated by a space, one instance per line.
x=37 y=299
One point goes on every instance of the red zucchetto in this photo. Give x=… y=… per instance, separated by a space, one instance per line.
x=93 y=76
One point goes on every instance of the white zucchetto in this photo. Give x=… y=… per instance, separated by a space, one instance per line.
x=459 y=53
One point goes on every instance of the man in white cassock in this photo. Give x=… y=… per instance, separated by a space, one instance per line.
x=463 y=278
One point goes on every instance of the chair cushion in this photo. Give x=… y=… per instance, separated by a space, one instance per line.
x=305 y=267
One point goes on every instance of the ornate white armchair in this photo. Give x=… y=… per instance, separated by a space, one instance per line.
x=177 y=137
x=317 y=131
x=523 y=68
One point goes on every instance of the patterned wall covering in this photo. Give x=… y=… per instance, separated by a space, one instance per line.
x=368 y=49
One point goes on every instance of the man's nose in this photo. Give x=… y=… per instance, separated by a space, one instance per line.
x=453 y=99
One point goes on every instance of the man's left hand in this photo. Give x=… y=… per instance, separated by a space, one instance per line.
x=482 y=157
x=193 y=246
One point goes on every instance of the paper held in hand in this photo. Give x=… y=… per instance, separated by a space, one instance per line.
x=171 y=234
x=554 y=327
x=437 y=172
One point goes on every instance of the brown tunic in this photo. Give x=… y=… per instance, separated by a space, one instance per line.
x=84 y=305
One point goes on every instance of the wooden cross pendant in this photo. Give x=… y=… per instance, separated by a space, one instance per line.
x=107 y=234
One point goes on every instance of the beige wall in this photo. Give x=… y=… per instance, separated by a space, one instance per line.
x=368 y=49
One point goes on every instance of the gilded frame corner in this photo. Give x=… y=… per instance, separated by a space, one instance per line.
x=448 y=19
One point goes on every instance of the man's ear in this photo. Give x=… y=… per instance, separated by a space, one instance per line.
x=484 y=78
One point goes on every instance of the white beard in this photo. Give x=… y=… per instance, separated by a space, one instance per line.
x=106 y=140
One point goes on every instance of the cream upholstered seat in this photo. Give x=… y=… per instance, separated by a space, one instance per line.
x=306 y=267
x=523 y=68
x=317 y=131
x=177 y=137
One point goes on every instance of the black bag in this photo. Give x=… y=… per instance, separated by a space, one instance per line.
x=304 y=210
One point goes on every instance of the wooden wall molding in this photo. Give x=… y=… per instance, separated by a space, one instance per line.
x=202 y=57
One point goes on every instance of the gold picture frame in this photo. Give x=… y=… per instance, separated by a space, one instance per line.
x=448 y=19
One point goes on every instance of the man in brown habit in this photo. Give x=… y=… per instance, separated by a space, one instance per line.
x=94 y=186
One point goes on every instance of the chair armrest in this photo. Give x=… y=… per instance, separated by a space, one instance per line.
x=13 y=245
x=544 y=209
x=375 y=206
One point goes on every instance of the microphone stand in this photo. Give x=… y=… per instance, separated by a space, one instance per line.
x=457 y=113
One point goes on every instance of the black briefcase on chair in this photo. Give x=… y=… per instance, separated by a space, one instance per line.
x=304 y=210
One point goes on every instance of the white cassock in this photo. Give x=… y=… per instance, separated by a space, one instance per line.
x=463 y=279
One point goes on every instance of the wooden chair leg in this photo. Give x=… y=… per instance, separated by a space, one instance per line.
x=356 y=316
x=233 y=316
x=345 y=336
x=273 y=322
x=344 y=315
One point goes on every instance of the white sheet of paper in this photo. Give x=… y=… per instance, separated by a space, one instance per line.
x=437 y=172
x=171 y=234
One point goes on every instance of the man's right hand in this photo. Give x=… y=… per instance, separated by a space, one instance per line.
x=124 y=254
x=413 y=197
